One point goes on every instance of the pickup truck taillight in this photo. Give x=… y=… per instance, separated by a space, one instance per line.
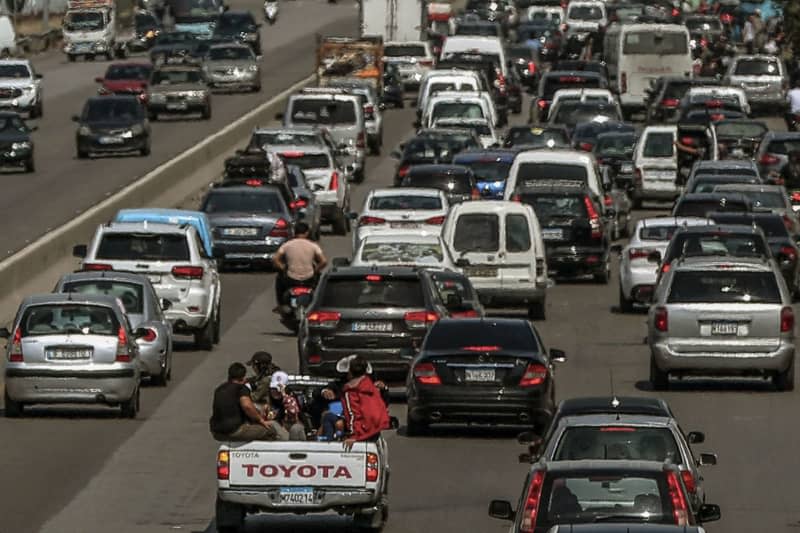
x=187 y=272
x=373 y=469
x=223 y=465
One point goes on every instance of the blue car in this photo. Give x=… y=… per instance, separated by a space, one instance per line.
x=490 y=168
x=197 y=219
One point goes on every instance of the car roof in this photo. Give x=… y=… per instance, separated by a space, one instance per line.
x=605 y=465
x=672 y=221
x=555 y=156
x=489 y=207
x=108 y=275
x=10 y=61
x=630 y=405
x=158 y=212
x=144 y=227
x=704 y=196
x=114 y=97
x=70 y=297
x=621 y=419
x=758 y=264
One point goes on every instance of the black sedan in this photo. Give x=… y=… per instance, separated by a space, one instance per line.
x=493 y=371
x=16 y=146
x=112 y=125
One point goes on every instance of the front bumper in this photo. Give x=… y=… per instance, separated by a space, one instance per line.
x=324 y=499
x=32 y=385
x=721 y=363
x=21 y=104
x=87 y=48
x=180 y=107
x=111 y=144
x=15 y=158
x=230 y=82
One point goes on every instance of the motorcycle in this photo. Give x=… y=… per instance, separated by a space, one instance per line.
x=271 y=11
x=295 y=301
x=792 y=121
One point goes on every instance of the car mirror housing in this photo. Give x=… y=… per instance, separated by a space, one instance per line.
x=696 y=437
x=501 y=509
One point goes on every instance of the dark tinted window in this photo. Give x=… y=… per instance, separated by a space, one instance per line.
x=615 y=145
x=112 y=110
x=307 y=161
x=703 y=25
x=489 y=170
x=231 y=53
x=708 y=183
x=784 y=147
x=537 y=137
x=768 y=199
x=404 y=50
x=676 y=89
x=528 y=173
x=130 y=294
x=718 y=243
x=731 y=171
x=128 y=72
x=449 y=183
x=700 y=208
x=312 y=111
x=518 y=234
x=285 y=138
x=772 y=226
x=477 y=233
x=757 y=67
x=554 y=83
x=384 y=292
x=59 y=319
x=585 y=13
x=431 y=149
x=144 y=246
x=405 y=202
x=657 y=233
x=572 y=112
x=446 y=109
x=230 y=21
x=659 y=144
x=547 y=206
x=724 y=287
x=174 y=77
x=231 y=201
x=456 y=335
x=618 y=443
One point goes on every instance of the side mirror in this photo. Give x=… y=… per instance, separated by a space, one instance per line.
x=79 y=250
x=165 y=304
x=709 y=512
x=654 y=257
x=4 y=333
x=76 y=118
x=462 y=262
x=279 y=116
x=502 y=510
x=696 y=437
x=707 y=459
x=558 y=356
x=39 y=76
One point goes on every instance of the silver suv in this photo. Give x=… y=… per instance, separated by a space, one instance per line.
x=722 y=317
x=763 y=78
x=175 y=261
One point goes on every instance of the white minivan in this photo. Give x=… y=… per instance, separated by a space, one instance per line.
x=655 y=165
x=457 y=104
x=473 y=44
x=500 y=248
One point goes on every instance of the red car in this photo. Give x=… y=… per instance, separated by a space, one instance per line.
x=126 y=78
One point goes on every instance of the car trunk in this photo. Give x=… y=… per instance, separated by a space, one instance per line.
x=480 y=369
x=69 y=349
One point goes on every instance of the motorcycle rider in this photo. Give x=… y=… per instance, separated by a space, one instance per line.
x=793 y=98
x=298 y=262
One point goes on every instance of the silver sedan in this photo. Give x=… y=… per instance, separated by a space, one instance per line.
x=232 y=66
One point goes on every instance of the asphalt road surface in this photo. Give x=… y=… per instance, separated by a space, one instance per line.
x=63 y=185
x=85 y=471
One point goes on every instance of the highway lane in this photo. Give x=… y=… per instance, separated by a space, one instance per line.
x=63 y=186
x=155 y=474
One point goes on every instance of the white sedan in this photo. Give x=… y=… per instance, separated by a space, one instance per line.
x=639 y=260
x=405 y=249
x=401 y=210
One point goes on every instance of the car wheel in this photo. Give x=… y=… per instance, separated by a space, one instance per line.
x=416 y=428
x=206 y=114
x=82 y=154
x=204 y=338
x=130 y=408
x=658 y=378
x=152 y=117
x=229 y=517
x=160 y=379
x=30 y=166
x=625 y=305
x=71 y=58
x=536 y=311
x=217 y=325
x=145 y=151
x=257 y=88
x=605 y=275
x=13 y=409
x=636 y=202
x=340 y=224
x=784 y=381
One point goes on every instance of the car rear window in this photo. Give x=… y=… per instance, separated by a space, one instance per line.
x=585 y=13
x=231 y=53
x=431 y=149
x=554 y=83
x=175 y=77
x=724 y=287
x=284 y=138
x=457 y=110
x=757 y=67
x=750 y=130
x=144 y=247
x=505 y=336
x=404 y=50
x=405 y=202
x=250 y=202
x=491 y=170
x=618 y=443
x=657 y=233
x=74 y=319
x=771 y=225
x=532 y=173
x=307 y=161
x=451 y=86
x=130 y=294
x=784 y=147
x=571 y=112
x=676 y=89
x=719 y=243
x=477 y=232
x=319 y=111
x=449 y=183
x=549 y=206
x=655 y=43
x=724 y=170
x=377 y=291
x=518 y=234
x=659 y=144
x=700 y=208
x=401 y=253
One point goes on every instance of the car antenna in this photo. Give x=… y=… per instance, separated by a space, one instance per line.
x=614 y=400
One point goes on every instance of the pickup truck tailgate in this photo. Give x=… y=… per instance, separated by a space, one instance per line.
x=301 y=464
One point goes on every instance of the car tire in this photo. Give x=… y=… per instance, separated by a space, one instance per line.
x=536 y=311
x=218 y=325
x=110 y=56
x=784 y=381
x=144 y=152
x=625 y=305
x=12 y=409
x=229 y=517
x=340 y=223
x=416 y=429
x=130 y=407
x=82 y=154
x=71 y=58
x=636 y=202
x=375 y=148
x=152 y=117
x=204 y=338
x=206 y=113
x=603 y=277
x=160 y=379
x=659 y=379
x=30 y=166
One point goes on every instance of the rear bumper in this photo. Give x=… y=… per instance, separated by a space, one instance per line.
x=388 y=364
x=247 y=251
x=722 y=362
x=511 y=297
x=268 y=500
x=500 y=406
x=76 y=386
x=582 y=262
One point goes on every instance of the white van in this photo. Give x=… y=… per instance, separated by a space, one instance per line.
x=446 y=80
x=638 y=54
x=453 y=104
x=8 y=37
x=655 y=165
x=570 y=165
x=473 y=44
x=499 y=246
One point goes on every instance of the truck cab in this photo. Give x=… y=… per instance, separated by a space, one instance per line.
x=98 y=27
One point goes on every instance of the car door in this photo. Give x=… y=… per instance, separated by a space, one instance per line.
x=517 y=254
x=474 y=237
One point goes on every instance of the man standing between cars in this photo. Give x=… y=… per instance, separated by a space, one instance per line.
x=298 y=261
x=793 y=97
x=234 y=416
x=749 y=34
x=365 y=413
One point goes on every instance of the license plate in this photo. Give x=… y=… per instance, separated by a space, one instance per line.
x=479 y=374
x=111 y=140
x=240 y=232
x=297 y=496
x=68 y=353
x=179 y=106
x=481 y=272
x=724 y=328
x=663 y=175
x=373 y=327
x=552 y=234
x=404 y=225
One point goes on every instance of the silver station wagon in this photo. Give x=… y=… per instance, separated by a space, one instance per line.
x=729 y=317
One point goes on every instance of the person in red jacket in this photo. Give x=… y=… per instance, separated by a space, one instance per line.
x=365 y=413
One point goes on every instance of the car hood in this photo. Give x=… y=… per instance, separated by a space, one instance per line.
x=124 y=85
x=229 y=64
x=16 y=82
x=13 y=137
x=177 y=88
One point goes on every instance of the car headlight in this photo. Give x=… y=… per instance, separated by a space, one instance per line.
x=157 y=98
x=100 y=47
x=25 y=145
x=30 y=88
x=250 y=37
x=136 y=129
x=626 y=168
x=253 y=68
x=84 y=131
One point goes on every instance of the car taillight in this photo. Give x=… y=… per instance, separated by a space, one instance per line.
x=299 y=291
x=314 y=359
x=475 y=194
x=299 y=203
x=420 y=319
x=373 y=470
x=688 y=141
x=425 y=374
x=223 y=465
x=369 y=110
x=594 y=218
x=96 y=266
x=371 y=221
x=334 y=184
x=534 y=375
x=768 y=159
x=670 y=102
x=638 y=253
x=661 y=319
x=726 y=18
x=608 y=201
x=254 y=182
x=795 y=196
x=665 y=268
x=425 y=62
x=104 y=91
x=531 y=67
x=716 y=117
x=675 y=12
x=787 y=320
x=15 y=353
x=703 y=43
x=531 y=506
x=680 y=510
x=471 y=313
x=324 y=319
x=150 y=335
x=541 y=104
x=586 y=147
x=187 y=272
x=623 y=82
x=123 y=350
x=280 y=229
x=435 y=221
x=688 y=481
x=402 y=171
x=361 y=140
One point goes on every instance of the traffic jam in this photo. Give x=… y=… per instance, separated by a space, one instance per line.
x=643 y=154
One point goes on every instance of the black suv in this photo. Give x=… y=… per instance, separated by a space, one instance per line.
x=381 y=313
x=241 y=26
x=576 y=236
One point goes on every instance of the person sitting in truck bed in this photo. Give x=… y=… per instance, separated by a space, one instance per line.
x=365 y=412
x=283 y=407
x=234 y=416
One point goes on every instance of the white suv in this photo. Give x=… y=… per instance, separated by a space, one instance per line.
x=20 y=87
x=173 y=258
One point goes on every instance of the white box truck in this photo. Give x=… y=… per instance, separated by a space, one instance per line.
x=394 y=20
x=98 y=28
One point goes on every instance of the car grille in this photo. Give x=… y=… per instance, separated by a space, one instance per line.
x=177 y=97
x=10 y=92
x=225 y=71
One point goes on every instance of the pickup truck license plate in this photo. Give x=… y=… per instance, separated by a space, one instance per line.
x=724 y=328
x=296 y=496
x=374 y=327
x=479 y=374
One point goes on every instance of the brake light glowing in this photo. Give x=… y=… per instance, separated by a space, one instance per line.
x=373 y=277
x=541 y=104
x=787 y=320
x=402 y=171
x=280 y=229
x=670 y=102
x=534 y=375
x=716 y=117
x=420 y=319
x=314 y=359
x=638 y=253
x=475 y=194
x=481 y=348
x=425 y=62
x=223 y=465
x=15 y=353
x=97 y=266
x=187 y=272
x=714 y=103
x=688 y=141
x=334 y=184
x=425 y=374
x=367 y=220
x=292 y=154
x=594 y=218
x=679 y=507
x=150 y=336
x=586 y=147
x=435 y=221
x=608 y=201
x=528 y=523
x=796 y=196
x=471 y=313
x=373 y=471
x=688 y=481
x=324 y=319
x=676 y=12
x=361 y=140
x=123 y=350
x=299 y=291
x=571 y=79
x=617 y=429
x=768 y=159
x=531 y=67
x=300 y=203
x=726 y=18
x=661 y=319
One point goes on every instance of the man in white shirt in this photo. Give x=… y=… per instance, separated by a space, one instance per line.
x=793 y=97
x=749 y=34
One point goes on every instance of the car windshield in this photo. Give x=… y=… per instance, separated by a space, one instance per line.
x=757 y=67
x=112 y=110
x=657 y=233
x=724 y=287
x=709 y=183
x=256 y=201
x=447 y=182
x=748 y=130
x=144 y=247
x=655 y=43
x=18 y=71
x=617 y=443
x=571 y=112
x=372 y=290
x=549 y=206
x=615 y=145
x=318 y=111
x=659 y=144
x=530 y=174
x=719 y=243
x=68 y=319
x=12 y=123
x=130 y=294
x=585 y=13
x=404 y=50
x=772 y=225
x=235 y=21
x=405 y=202
x=477 y=232
x=457 y=109
x=230 y=53
x=575 y=498
x=511 y=336
x=430 y=149
x=536 y=137
x=176 y=77
x=128 y=72
x=489 y=170
x=83 y=21
x=308 y=161
x=284 y=138
x=400 y=253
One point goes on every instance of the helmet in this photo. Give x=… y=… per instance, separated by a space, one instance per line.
x=260 y=358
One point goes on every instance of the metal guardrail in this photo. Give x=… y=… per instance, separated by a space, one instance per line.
x=35 y=43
